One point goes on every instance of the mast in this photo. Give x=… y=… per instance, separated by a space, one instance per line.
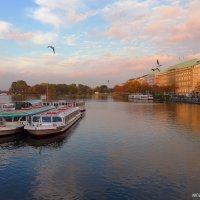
x=47 y=92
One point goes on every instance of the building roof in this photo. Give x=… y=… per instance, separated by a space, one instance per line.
x=137 y=78
x=185 y=64
x=32 y=102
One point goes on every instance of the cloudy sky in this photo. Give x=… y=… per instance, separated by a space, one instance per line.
x=95 y=40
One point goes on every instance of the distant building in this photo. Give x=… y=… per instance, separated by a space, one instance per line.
x=148 y=78
x=185 y=77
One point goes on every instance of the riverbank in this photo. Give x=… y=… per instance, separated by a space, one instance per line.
x=192 y=100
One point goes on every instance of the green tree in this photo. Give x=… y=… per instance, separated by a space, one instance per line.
x=19 y=87
x=103 y=89
x=72 y=89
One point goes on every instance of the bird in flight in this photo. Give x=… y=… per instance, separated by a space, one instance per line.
x=53 y=48
x=156 y=69
x=158 y=64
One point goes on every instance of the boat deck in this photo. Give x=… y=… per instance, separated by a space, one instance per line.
x=26 y=112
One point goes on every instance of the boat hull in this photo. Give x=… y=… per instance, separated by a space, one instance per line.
x=42 y=132
x=141 y=97
x=5 y=131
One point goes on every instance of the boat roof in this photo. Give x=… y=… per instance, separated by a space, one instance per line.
x=26 y=112
x=8 y=103
x=61 y=111
x=32 y=102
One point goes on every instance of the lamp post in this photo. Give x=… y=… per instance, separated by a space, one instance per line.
x=47 y=92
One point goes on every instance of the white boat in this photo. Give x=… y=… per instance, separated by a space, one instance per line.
x=13 y=121
x=69 y=103
x=53 y=122
x=3 y=94
x=141 y=96
x=7 y=106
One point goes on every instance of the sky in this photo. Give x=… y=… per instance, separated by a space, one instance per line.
x=95 y=40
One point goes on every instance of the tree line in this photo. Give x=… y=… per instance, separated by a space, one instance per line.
x=138 y=87
x=21 y=87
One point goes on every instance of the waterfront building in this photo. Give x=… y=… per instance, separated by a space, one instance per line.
x=147 y=78
x=151 y=78
x=184 y=77
x=141 y=79
x=161 y=79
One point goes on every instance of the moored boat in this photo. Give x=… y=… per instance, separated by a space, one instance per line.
x=7 y=106
x=69 y=103
x=141 y=96
x=53 y=122
x=13 y=121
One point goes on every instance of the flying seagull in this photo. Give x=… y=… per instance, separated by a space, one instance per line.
x=158 y=63
x=156 y=69
x=52 y=48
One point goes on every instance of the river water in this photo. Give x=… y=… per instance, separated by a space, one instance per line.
x=118 y=151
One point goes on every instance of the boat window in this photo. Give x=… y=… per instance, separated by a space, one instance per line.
x=46 y=119
x=23 y=118
x=57 y=119
x=16 y=119
x=8 y=119
x=1 y=120
x=36 y=119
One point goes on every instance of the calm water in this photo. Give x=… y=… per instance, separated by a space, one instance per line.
x=118 y=151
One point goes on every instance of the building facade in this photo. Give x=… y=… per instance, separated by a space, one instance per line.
x=184 y=77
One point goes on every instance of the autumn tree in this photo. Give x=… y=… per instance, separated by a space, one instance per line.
x=19 y=87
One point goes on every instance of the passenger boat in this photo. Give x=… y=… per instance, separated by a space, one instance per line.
x=141 y=96
x=7 y=106
x=12 y=122
x=53 y=122
x=69 y=103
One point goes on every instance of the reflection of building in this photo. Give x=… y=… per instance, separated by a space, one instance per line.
x=185 y=77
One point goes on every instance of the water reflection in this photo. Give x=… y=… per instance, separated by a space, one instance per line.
x=141 y=101
x=14 y=139
x=49 y=142
x=120 y=150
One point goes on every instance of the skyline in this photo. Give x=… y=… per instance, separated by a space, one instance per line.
x=95 y=41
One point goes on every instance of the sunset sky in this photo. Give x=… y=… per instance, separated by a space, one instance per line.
x=95 y=40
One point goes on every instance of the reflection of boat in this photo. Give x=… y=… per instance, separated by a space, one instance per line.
x=48 y=142
x=53 y=122
x=141 y=96
x=12 y=122
x=10 y=138
x=141 y=101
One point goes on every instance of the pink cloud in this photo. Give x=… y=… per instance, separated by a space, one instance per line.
x=91 y=71
x=166 y=12
x=171 y=26
x=18 y=35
